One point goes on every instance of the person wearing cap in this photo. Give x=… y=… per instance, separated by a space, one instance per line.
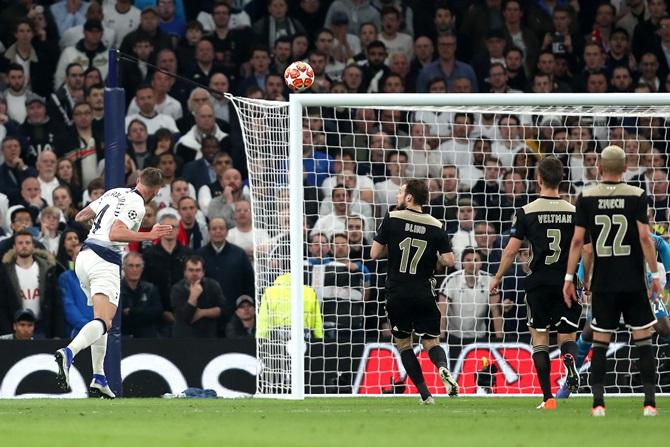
x=150 y=26
x=493 y=53
x=69 y=13
x=23 y=326
x=39 y=128
x=243 y=322
x=358 y=12
x=345 y=45
x=75 y=33
x=88 y=52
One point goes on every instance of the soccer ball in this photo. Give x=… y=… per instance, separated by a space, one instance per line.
x=299 y=76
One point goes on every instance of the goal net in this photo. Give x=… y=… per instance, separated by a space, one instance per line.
x=324 y=170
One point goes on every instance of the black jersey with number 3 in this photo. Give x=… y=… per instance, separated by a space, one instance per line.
x=609 y=211
x=548 y=224
x=413 y=240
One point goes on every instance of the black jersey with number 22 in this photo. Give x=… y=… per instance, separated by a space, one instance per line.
x=609 y=211
x=413 y=240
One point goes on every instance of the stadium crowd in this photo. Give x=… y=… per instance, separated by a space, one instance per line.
x=480 y=167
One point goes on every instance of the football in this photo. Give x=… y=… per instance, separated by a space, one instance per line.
x=299 y=76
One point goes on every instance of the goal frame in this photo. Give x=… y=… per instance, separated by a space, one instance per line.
x=299 y=101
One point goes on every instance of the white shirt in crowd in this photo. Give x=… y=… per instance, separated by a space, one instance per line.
x=460 y=241
x=245 y=239
x=154 y=123
x=468 y=308
x=48 y=189
x=455 y=152
x=29 y=285
x=385 y=195
x=122 y=24
x=169 y=106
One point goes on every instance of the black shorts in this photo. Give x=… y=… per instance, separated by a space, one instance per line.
x=547 y=310
x=412 y=311
x=607 y=308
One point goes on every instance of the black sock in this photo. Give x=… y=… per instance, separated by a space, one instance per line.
x=647 y=366
x=438 y=357
x=413 y=368
x=543 y=368
x=570 y=347
x=598 y=370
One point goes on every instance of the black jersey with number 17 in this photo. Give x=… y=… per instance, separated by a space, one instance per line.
x=413 y=240
x=548 y=224
x=609 y=211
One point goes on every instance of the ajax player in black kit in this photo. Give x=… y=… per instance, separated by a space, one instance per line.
x=548 y=224
x=614 y=214
x=414 y=243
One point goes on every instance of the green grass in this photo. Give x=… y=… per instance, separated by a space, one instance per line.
x=340 y=422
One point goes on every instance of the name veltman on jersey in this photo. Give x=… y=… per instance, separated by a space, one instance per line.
x=98 y=252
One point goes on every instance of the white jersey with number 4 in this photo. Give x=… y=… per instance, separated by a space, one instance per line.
x=124 y=204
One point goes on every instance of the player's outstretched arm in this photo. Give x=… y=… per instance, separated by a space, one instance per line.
x=378 y=251
x=508 y=257
x=649 y=251
x=85 y=215
x=121 y=233
x=569 y=294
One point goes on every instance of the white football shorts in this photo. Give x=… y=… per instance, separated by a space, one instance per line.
x=97 y=276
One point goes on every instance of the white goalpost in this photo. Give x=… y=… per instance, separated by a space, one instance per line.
x=323 y=171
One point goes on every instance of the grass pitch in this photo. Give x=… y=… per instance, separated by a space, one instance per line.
x=337 y=422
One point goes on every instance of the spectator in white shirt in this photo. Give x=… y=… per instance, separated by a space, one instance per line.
x=122 y=17
x=146 y=102
x=336 y=221
x=243 y=234
x=424 y=161
x=386 y=191
x=458 y=149
x=165 y=104
x=465 y=302
x=395 y=41
x=46 y=174
x=465 y=234
x=76 y=33
x=510 y=140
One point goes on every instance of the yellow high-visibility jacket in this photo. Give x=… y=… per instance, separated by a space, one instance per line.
x=275 y=308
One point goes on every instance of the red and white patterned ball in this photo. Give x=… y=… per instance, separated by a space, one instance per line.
x=299 y=76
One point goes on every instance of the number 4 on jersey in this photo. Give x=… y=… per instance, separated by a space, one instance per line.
x=98 y=218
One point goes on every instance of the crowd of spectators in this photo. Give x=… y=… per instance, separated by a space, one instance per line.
x=198 y=281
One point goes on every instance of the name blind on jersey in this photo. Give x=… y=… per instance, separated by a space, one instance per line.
x=611 y=204
x=414 y=228
x=554 y=218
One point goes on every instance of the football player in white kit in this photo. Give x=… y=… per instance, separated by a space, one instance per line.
x=115 y=218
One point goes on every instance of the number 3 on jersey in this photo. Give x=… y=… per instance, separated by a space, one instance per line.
x=555 y=246
x=406 y=246
x=98 y=218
